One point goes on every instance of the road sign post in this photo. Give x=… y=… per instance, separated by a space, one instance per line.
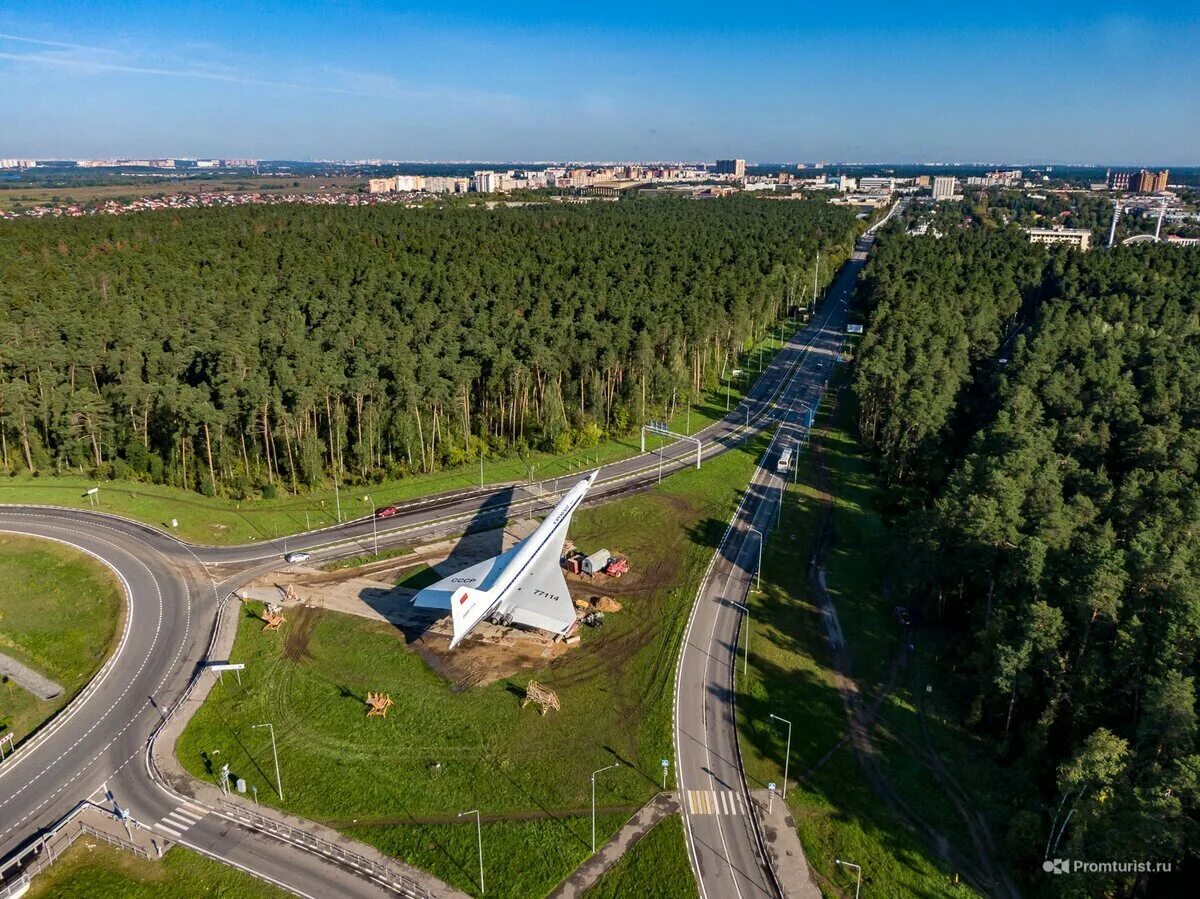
x=666 y=763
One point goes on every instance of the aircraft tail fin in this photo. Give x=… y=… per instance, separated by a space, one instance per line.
x=468 y=607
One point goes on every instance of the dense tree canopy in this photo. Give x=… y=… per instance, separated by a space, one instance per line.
x=231 y=349
x=1060 y=534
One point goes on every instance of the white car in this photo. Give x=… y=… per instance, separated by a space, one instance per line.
x=297 y=557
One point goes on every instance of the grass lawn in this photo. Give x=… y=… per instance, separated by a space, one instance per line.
x=399 y=782
x=91 y=869
x=217 y=520
x=60 y=612
x=837 y=813
x=657 y=867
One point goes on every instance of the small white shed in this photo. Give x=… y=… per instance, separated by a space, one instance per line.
x=596 y=562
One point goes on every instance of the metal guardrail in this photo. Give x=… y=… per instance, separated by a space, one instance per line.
x=47 y=850
x=271 y=826
x=14 y=887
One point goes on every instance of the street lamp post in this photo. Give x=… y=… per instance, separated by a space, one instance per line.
x=374 y=523
x=787 y=757
x=758 y=571
x=746 y=652
x=275 y=753
x=479 y=839
x=594 y=773
x=858 y=871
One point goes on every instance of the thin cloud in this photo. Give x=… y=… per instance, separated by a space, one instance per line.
x=67 y=62
x=45 y=43
x=82 y=57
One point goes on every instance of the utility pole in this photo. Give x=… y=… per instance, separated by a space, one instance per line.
x=275 y=753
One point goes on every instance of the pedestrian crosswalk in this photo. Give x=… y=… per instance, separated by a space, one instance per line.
x=715 y=802
x=176 y=822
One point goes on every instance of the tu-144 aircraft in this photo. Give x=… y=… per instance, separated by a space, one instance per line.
x=524 y=585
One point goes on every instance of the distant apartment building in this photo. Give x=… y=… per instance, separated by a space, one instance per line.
x=1118 y=180
x=439 y=185
x=409 y=183
x=489 y=182
x=943 y=187
x=846 y=184
x=735 y=167
x=239 y=163
x=877 y=183
x=1080 y=238
x=208 y=163
x=381 y=185
x=18 y=163
x=1004 y=178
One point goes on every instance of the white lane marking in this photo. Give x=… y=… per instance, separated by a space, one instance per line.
x=56 y=525
x=693 y=852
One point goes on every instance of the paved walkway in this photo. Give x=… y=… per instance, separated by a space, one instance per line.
x=783 y=843
x=637 y=827
x=40 y=686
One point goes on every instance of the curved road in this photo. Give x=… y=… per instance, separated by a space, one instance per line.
x=174 y=589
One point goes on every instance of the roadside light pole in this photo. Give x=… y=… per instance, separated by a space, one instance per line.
x=746 y=652
x=479 y=838
x=275 y=753
x=857 y=870
x=374 y=523
x=594 y=773
x=757 y=571
x=787 y=753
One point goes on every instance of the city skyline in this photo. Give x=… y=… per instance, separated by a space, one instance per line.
x=1093 y=84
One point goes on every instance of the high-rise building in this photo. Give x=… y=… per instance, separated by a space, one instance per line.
x=1118 y=180
x=380 y=185
x=943 y=187
x=1144 y=182
x=484 y=182
x=735 y=167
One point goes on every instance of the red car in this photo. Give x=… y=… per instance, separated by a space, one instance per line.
x=386 y=512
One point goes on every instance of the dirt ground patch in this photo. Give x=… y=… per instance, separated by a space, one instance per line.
x=295 y=648
x=478 y=662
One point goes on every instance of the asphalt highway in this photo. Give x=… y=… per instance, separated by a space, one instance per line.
x=722 y=835
x=173 y=591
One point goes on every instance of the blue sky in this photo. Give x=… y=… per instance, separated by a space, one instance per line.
x=1018 y=82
